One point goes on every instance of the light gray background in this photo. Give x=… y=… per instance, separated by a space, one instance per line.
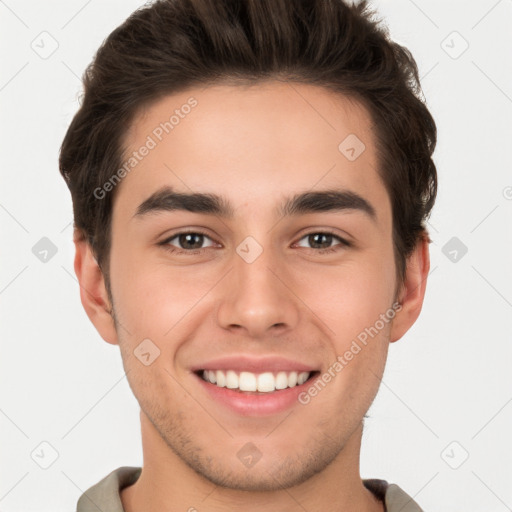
x=447 y=390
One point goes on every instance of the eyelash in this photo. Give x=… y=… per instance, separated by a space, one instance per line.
x=172 y=249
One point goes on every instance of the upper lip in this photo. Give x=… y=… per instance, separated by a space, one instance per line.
x=242 y=363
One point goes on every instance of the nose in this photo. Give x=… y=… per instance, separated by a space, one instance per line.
x=257 y=296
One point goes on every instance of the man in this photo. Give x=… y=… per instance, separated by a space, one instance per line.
x=250 y=181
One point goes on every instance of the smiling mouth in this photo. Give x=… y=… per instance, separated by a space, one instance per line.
x=258 y=383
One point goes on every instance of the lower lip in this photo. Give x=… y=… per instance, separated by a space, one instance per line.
x=253 y=403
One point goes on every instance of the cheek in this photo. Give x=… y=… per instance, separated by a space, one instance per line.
x=139 y=293
x=349 y=298
x=150 y=299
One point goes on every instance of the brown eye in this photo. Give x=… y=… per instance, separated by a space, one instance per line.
x=186 y=241
x=190 y=240
x=323 y=239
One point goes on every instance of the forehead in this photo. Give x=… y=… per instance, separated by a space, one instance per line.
x=255 y=143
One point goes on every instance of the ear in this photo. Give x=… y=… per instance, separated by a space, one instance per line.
x=412 y=292
x=93 y=292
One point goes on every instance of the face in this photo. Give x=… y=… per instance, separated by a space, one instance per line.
x=257 y=295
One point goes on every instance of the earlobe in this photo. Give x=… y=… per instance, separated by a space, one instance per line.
x=93 y=293
x=413 y=290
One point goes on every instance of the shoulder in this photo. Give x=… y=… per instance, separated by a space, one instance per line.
x=394 y=497
x=105 y=494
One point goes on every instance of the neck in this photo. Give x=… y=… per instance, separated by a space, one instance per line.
x=167 y=483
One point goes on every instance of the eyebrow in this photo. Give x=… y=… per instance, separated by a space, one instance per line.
x=167 y=200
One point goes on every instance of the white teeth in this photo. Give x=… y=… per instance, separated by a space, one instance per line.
x=247 y=381
x=231 y=379
x=221 y=379
x=303 y=377
x=281 y=380
x=266 y=382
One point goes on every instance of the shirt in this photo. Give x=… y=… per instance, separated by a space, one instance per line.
x=105 y=495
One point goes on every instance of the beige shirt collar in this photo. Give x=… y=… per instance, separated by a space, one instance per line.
x=105 y=495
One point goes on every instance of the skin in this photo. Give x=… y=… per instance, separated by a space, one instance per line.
x=254 y=145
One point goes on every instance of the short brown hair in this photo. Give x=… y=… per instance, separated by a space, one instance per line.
x=171 y=45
